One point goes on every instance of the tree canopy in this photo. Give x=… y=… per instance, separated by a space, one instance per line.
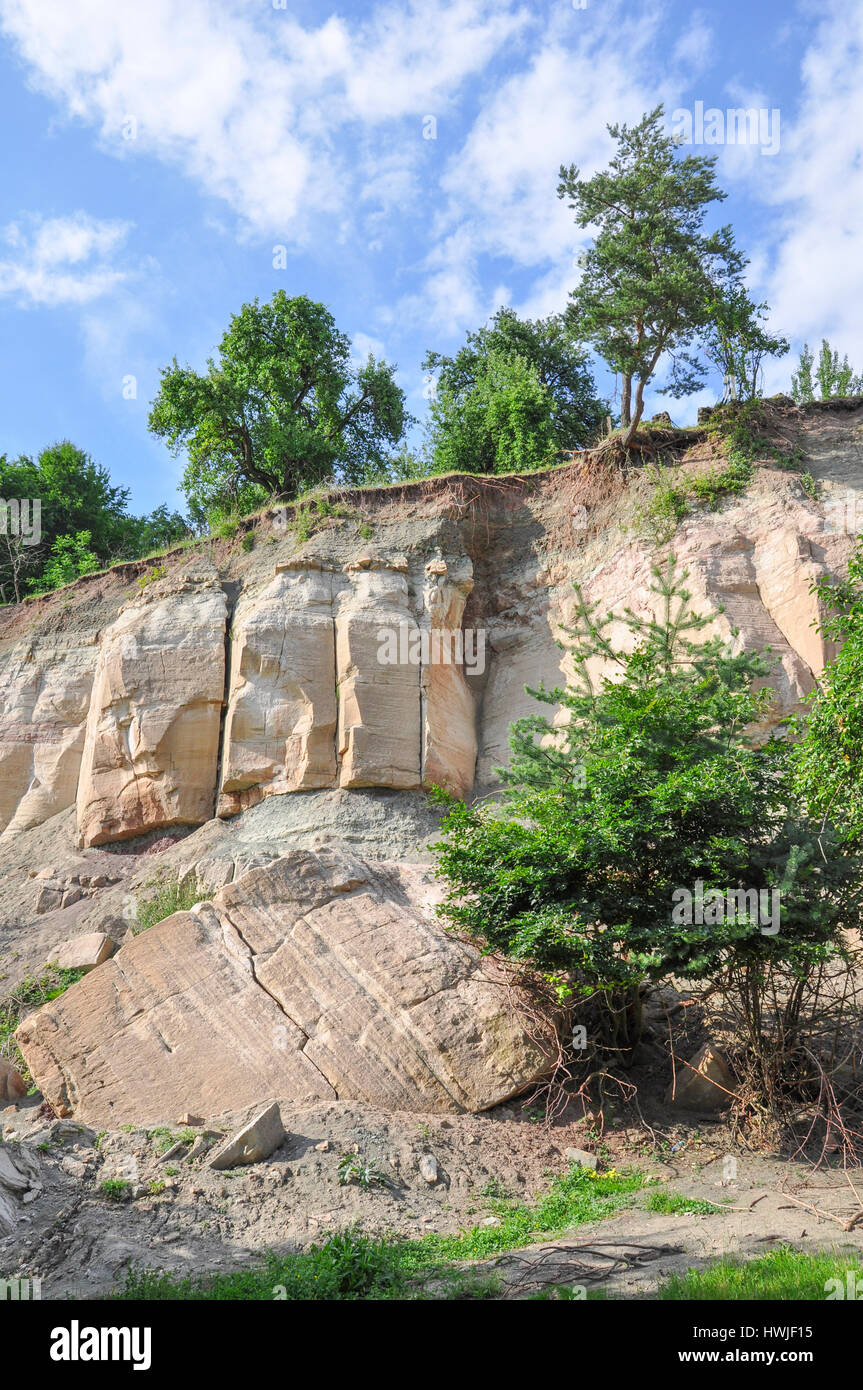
x=652 y=272
x=77 y=499
x=283 y=407
x=828 y=374
x=516 y=393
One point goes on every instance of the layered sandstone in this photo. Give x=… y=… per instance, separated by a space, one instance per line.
x=152 y=740
x=238 y=676
x=320 y=976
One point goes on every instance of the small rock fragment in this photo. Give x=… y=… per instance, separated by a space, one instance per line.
x=581 y=1157
x=429 y=1168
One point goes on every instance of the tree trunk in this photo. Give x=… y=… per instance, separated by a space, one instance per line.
x=635 y=420
x=625 y=400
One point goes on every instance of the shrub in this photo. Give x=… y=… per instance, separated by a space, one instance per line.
x=171 y=895
x=30 y=994
x=638 y=834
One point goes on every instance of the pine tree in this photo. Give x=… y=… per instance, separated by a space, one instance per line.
x=644 y=788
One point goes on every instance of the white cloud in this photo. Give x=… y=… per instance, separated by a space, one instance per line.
x=61 y=260
x=501 y=185
x=816 y=288
x=260 y=114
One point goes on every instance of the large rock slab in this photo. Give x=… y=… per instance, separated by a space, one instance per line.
x=280 y=723
x=152 y=743
x=319 y=976
x=44 y=699
x=379 y=735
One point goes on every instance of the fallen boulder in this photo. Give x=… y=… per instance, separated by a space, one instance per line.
x=704 y=1083
x=317 y=977
x=12 y=1084
x=254 y=1142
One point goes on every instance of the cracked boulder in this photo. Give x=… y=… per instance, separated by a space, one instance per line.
x=317 y=977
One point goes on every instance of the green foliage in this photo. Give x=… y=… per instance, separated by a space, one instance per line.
x=70 y=557
x=511 y=398
x=353 y=1168
x=829 y=754
x=27 y=996
x=646 y=783
x=832 y=377
x=503 y=424
x=742 y=431
x=718 y=483
x=652 y=275
x=151 y=576
x=77 y=498
x=115 y=1189
x=736 y=342
x=173 y=894
x=664 y=510
x=780 y=1274
x=283 y=407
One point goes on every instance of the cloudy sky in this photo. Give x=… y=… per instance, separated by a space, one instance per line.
x=166 y=161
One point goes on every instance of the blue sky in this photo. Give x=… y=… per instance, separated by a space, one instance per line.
x=156 y=154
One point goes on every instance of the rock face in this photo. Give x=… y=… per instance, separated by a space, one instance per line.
x=346 y=658
x=320 y=976
x=280 y=723
x=44 y=701
x=152 y=741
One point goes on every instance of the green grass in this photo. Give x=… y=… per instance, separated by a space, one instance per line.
x=170 y=895
x=115 y=1189
x=351 y=1265
x=672 y=1204
x=30 y=994
x=783 y=1273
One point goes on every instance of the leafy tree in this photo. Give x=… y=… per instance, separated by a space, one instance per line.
x=284 y=407
x=70 y=557
x=736 y=342
x=833 y=378
x=649 y=786
x=652 y=272
x=829 y=755
x=471 y=432
x=802 y=384
x=504 y=423
x=158 y=530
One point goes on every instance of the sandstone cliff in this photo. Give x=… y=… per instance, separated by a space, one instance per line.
x=243 y=674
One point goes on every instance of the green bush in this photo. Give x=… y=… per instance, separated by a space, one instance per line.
x=170 y=895
x=646 y=789
x=27 y=996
